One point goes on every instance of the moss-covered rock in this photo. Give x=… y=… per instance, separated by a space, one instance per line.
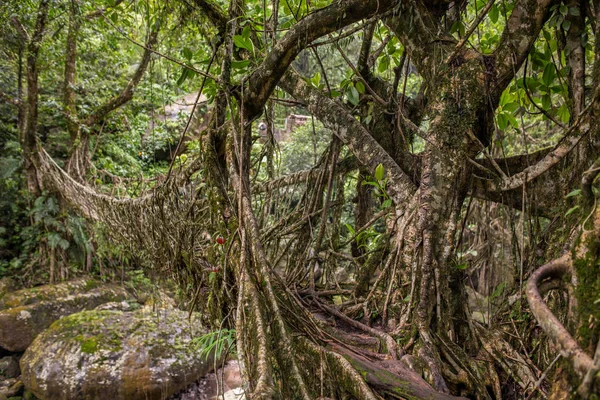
x=39 y=294
x=26 y=313
x=7 y=285
x=9 y=367
x=104 y=354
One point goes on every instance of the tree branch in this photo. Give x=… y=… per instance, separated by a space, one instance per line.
x=358 y=139
x=519 y=35
x=264 y=79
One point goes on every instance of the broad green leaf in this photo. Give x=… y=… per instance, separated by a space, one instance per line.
x=384 y=64
x=352 y=95
x=242 y=42
x=546 y=102
x=549 y=73
x=511 y=107
x=494 y=13
x=502 y=121
x=360 y=87
x=246 y=32
x=574 y=193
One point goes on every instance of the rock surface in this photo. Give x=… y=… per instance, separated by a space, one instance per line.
x=26 y=313
x=7 y=285
x=9 y=367
x=115 y=355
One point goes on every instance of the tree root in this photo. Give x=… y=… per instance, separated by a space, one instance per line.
x=391 y=345
x=510 y=360
x=562 y=339
x=360 y=373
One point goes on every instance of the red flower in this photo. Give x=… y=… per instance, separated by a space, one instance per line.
x=221 y=240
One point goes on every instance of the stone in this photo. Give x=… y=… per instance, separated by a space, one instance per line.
x=116 y=355
x=7 y=285
x=9 y=367
x=26 y=313
x=15 y=390
x=119 y=306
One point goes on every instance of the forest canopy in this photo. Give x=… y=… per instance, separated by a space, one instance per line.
x=378 y=198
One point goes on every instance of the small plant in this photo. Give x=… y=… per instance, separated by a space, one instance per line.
x=215 y=342
x=380 y=184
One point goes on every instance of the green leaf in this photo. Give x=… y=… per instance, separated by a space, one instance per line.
x=350 y=229
x=246 y=32
x=571 y=211
x=187 y=53
x=386 y=203
x=549 y=74
x=513 y=121
x=564 y=9
x=239 y=64
x=384 y=64
x=379 y=172
x=360 y=87
x=546 y=102
x=564 y=113
x=352 y=95
x=574 y=11
x=494 y=13
x=566 y=24
x=502 y=121
x=370 y=183
x=184 y=75
x=511 y=107
x=242 y=42
x=574 y=193
x=316 y=79
x=462 y=266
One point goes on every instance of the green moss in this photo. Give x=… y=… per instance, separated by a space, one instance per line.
x=89 y=345
x=587 y=292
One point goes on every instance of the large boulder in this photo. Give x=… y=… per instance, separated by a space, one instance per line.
x=7 y=285
x=26 y=313
x=107 y=354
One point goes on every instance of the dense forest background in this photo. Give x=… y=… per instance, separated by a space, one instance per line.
x=398 y=197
